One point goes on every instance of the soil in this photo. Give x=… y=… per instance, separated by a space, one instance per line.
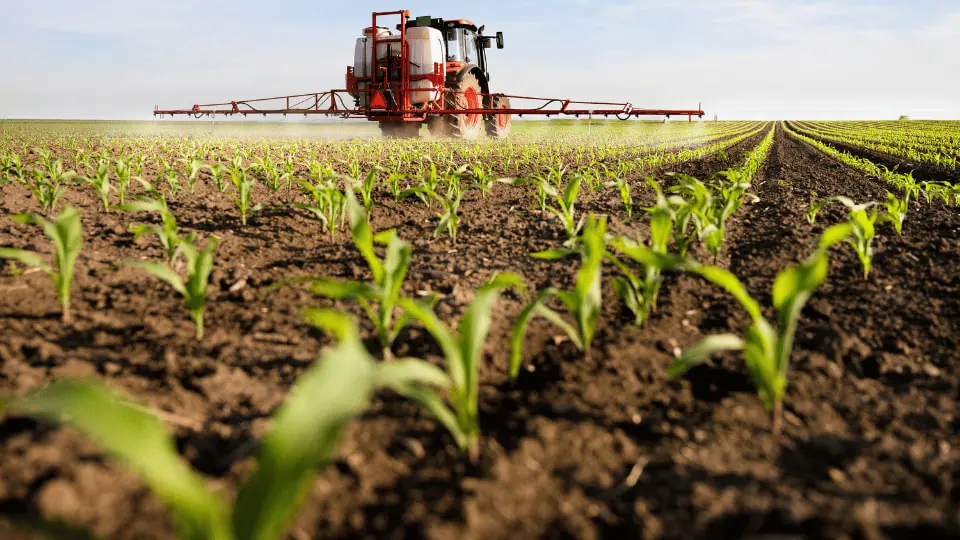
x=598 y=447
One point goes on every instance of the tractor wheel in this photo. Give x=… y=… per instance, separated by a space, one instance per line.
x=498 y=125
x=400 y=130
x=463 y=95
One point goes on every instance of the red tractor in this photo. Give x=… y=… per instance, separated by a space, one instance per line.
x=429 y=70
x=426 y=70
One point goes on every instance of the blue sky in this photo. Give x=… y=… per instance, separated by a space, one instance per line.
x=764 y=59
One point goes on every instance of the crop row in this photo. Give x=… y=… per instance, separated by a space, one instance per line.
x=946 y=192
x=935 y=146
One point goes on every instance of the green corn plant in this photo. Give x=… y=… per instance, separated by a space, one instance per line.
x=216 y=174
x=47 y=192
x=480 y=176
x=243 y=200
x=170 y=175
x=122 y=169
x=302 y=438
x=388 y=275
x=695 y=200
x=543 y=188
x=680 y=212
x=393 y=184
x=463 y=350
x=584 y=303
x=100 y=181
x=365 y=188
x=275 y=175
x=194 y=290
x=623 y=186
x=639 y=293
x=46 y=157
x=766 y=349
x=168 y=233
x=67 y=235
x=58 y=174
x=896 y=210
x=196 y=165
x=566 y=208
x=450 y=218
x=327 y=205
x=12 y=167
x=863 y=218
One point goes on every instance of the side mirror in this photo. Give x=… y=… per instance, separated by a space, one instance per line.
x=499 y=40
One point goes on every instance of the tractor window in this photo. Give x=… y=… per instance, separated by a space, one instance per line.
x=470 y=48
x=454 y=35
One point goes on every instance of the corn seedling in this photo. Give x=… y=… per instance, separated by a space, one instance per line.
x=59 y=175
x=67 y=235
x=100 y=181
x=450 y=218
x=171 y=176
x=463 y=351
x=863 y=218
x=566 y=208
x=623 y=186
x=584 y=303
x=47 y=192
x=327 y=205
x=393 y=184
x=243 y=200
x=122 y=170
x=481 y=178
x=216 y=174
x=766 y=349
x=639 y=293
x=194 y=291
x=302 y=438
x=365 y=188
x=896 y=210
x=196 y=165
x=543 y=189
x=168 y=232
x=388 y=276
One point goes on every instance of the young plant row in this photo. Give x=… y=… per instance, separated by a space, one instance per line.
x=946 y=192
x=906 y=141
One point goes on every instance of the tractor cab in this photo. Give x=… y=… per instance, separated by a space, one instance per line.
x=465 y=42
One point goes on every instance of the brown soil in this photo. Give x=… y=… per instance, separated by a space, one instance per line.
x=603 y=447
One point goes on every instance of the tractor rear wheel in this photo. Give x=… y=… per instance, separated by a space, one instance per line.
x=400 y=130
x=465 y=94
x=498 y=125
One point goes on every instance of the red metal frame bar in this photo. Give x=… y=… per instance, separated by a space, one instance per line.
x=334 y=103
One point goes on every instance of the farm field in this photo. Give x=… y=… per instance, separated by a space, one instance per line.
x=588 y=436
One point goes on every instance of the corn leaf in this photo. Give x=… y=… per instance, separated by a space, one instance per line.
x=163 y=273
x=702 y=351
x=25 y=257
x=305 y=431
x=141 y=441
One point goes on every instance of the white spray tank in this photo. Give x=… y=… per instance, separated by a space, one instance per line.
x=426 y=49
x=363 y=58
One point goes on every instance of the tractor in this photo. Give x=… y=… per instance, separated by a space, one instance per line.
x=423 y=70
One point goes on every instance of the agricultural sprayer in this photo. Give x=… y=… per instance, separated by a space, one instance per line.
x=426 y=70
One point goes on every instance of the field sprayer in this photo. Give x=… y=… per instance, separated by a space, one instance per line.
x=427 y=70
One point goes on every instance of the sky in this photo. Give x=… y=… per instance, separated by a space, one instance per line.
x=743 y=59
